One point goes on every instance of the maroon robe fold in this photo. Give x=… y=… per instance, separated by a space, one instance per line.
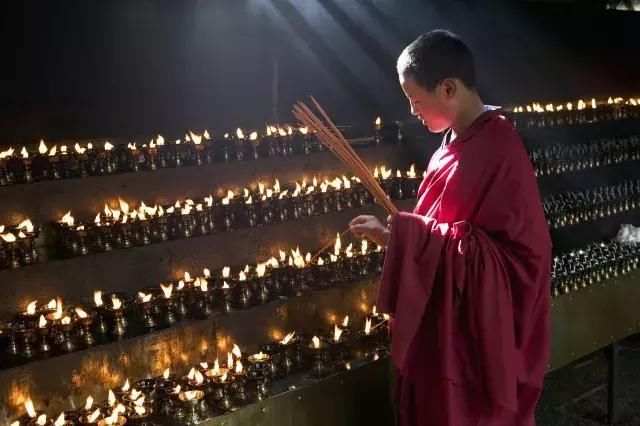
x=467 y=282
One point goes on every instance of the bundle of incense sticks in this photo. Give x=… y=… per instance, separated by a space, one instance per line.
x=330 y=136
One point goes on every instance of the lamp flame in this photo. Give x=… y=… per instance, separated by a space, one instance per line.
x=239 y=367
x=111 y=398
x=337 y=332
x=42 y=148
x=42 y=420
x=316 y=342
x=60 y=421
x=97 y=298
x=43 y=322
x=31 y=307
x=81 y=313
x=117 y=303
x=31 y=411
x=167 y=290
x=345 y=322
x=89 y=403
x=236 y=351
x=367 y=326
x=93 y=417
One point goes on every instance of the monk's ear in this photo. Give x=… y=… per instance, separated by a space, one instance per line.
x=449 y=87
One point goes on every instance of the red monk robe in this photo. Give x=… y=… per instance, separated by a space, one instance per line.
x=467 y=281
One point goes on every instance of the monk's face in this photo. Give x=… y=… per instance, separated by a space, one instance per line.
x=436 y=109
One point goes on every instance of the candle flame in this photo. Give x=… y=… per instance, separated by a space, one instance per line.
x=412 y=171
x=42 y=148
x=67 y=219
x=176 y=390
x=97 y=298
x=288 y=338
x=144 y=298
x=225 y=285
x=167 y=290
x=28 y=405
x=226 y=271
x=378 y=121
x=338 y=245
x=239 y=367
x=43 y=322
x=24 y=152
x=236 y=351
x=81 y=313
x=124 y=206
x=206 y=272
x=320 y=261
x=180 y=285
x=261 y=268
x=593 y=103
x=345 y=322
x=58 y=314
x=89 y=403
x=367 y=326
x=316 y=342
x=31 y=307
x=139 y=402
x=253 y=136
x=223 y=378
x=108 y=146
x=26 y=225
x=93 y=417
x=79 y=149
x=192 y=373
x=242 y=276
x=60 y=421
x=8 y=237
x=337 y=332
x=140 y=410
x=126 y=386
x=111 y=398
x=197 y=139
x=117 y=303
x=215 y=371
x=135 y=394
x=189 y=395
x=42 y=420
x=229 y=360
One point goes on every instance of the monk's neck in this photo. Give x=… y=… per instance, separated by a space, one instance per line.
x=468 y=115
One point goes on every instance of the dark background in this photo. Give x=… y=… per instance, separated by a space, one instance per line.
x=78 y=69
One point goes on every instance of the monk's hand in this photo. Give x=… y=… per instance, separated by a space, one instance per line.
x=370 y=227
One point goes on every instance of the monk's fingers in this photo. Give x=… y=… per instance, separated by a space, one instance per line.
x=359 y=230
x=389 y=220
x=358 y=220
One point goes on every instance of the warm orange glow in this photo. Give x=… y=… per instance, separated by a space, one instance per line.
x=43 y=322
x=67 y=219
x=144 y=298
x=367 y=326
x=81 y=313
x=239 y=367
x=124 y=206
x=24 y=153
x=108 y=146
x=378 y=121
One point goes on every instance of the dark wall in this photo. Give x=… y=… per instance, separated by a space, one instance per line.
x=133 y=68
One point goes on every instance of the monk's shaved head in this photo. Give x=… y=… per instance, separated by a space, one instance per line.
x=436 y=56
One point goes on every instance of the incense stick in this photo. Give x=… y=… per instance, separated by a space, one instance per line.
x=331 y=137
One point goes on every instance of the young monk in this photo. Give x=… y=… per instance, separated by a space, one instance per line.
x=467 y=274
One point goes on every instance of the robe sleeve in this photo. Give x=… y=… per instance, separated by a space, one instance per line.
x=471 y=268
